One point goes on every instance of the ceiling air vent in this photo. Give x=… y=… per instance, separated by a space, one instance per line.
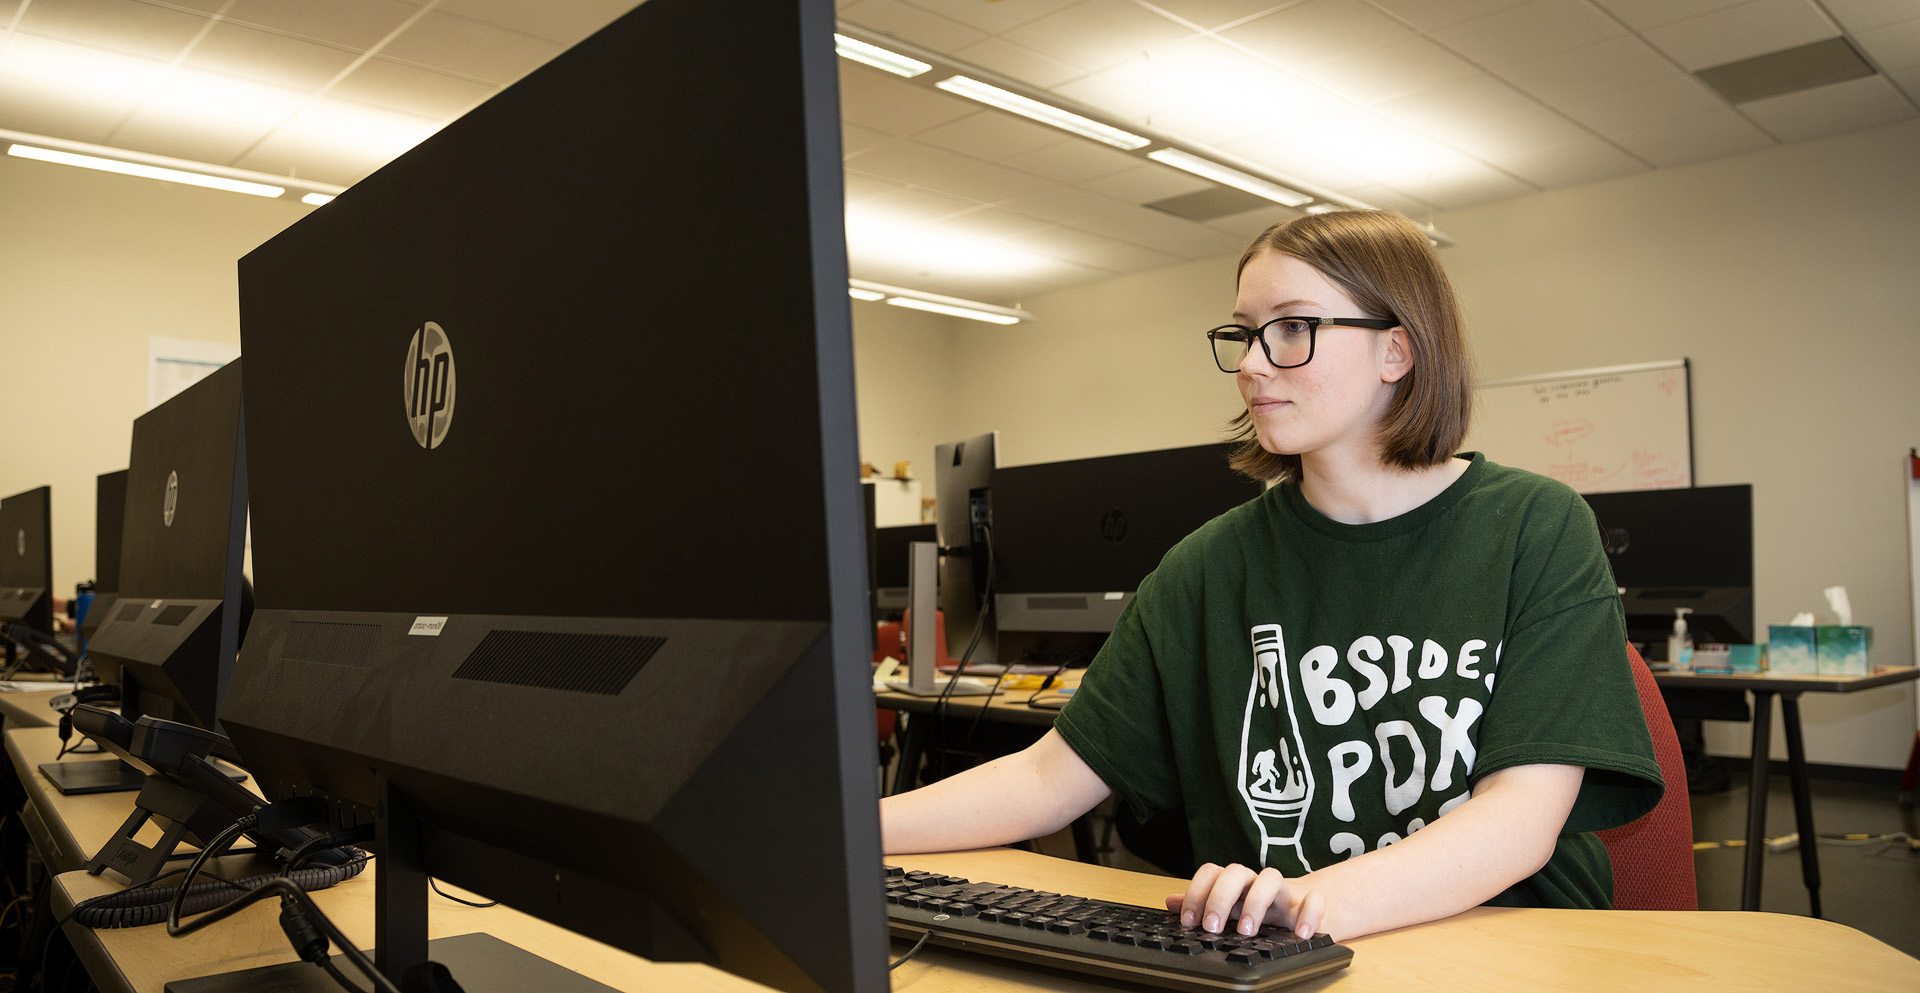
x=1789 y=70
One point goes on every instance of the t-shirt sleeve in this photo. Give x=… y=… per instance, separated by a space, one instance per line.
x=1117 y=720
x=1564 y=693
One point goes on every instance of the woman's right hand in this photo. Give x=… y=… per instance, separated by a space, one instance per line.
x=1237 y=896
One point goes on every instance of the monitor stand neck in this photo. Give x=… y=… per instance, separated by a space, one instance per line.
x=400 y=887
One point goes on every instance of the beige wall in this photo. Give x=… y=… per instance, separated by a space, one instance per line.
x=1786 y=276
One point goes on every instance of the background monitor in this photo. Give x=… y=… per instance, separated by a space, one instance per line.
x=1072 y=540
x=26 y=566
x=963 y=511
x=515 y=599
x=890 y=574
x=110 y=504
x=169 y=639
x=1681 y=548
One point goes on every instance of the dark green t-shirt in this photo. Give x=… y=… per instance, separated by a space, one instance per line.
x=1307 y=690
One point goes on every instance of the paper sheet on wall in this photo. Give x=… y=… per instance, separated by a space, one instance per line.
x=173 y=364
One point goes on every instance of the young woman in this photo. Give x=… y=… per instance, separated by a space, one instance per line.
x=1393 y=687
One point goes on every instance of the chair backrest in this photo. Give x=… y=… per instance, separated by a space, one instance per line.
x=1653 y=856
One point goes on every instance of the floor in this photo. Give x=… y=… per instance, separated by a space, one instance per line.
x=1873 y=886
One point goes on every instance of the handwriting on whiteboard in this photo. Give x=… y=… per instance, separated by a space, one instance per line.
x=1643 y=470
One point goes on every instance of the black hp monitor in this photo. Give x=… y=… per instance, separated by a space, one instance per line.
x=170 y=636
x=1072 y=540
x=110 y=504
x=557 y=522
x=26 y=581
x=963 y=512
x=1690 y=547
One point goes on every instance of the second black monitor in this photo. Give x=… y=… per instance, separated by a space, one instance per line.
x=1073 y=540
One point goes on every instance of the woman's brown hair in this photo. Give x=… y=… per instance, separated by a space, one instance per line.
x=1388 y=266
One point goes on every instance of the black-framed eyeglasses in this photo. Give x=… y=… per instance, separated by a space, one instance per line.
x=1288 y=341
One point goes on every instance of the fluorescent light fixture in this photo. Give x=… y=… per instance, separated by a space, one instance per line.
x=317 y=199
x=900 y=296
x=1324 y=208
x=952 y=311
x=1045 y=113
x=1206 y=169
x=147 y=171
x=877 y=57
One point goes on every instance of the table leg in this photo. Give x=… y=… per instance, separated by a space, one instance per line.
x=1802 y=800
x=1757 y=798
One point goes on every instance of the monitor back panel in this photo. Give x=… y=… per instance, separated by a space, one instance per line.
x=26 y=558
x=1073 y=540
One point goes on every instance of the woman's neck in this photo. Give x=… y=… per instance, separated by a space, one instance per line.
x=1363 y=490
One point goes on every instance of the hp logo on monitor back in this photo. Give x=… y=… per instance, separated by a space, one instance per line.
x=20 y=541
x=173 y=497
x=1113 y=527
x=429 y=385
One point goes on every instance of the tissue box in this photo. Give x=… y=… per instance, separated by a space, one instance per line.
x=1744 y=658
x=1842 y=649
x=1790 y=650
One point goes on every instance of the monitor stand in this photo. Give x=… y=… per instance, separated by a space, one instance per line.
x=923 y=648
x=95 y=776
x=480 y=963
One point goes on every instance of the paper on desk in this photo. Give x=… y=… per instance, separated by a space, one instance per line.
x=30 y=686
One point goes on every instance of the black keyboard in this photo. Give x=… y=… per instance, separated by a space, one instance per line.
x=1110 y=940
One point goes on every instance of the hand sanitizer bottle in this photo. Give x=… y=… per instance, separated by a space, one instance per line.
x=1679 y=646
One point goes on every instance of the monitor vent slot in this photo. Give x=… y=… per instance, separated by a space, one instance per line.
x=581 y=663
x=130 y=612
x=330 y=643
x=172 y=616
x=1056 y=603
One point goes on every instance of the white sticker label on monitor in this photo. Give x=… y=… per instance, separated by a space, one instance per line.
x=428 y=626
x=1115 y=596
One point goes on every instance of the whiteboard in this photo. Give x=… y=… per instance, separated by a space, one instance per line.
x=1627 y=427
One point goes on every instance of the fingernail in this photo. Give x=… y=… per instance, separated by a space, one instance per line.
x=1213 y=923
x=1186 y=919
x=1303 y=931
x=1246 y=925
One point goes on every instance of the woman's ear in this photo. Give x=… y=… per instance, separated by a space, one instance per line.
x=1398 y=360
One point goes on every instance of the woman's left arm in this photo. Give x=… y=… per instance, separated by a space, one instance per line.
x=1502 y=834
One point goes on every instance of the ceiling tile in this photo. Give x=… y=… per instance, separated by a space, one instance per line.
x=1125 y=258
x=912 y=24
x=1666 y=97
x=564 y=23
x=1145 y=183
x=1395 y=69
x=990 y=16
x=1614 y=64
x=1895 y=47
x=1858 y=15
x=861 y=188
x=898 y=107
x=469 y=48
x=1472 y=183
x=1209 y=15
x=1059 y=240
x=995 y=224
x=285 y=153
x=1139 y=225
x=1072 y=161
x=58 y=111
x=195 y=139
x=1643 y=14
x=993 y=136
x=1061 y=204
x=1385 y=198
x=855 y=139
x=1829 y=110
x=855 y=77
x=1694 y=139
x=1095 y=34
x=421 y=92
x=1909 y=81
x=906 y=205
x=1530 y=32
x=1482 y=117
x=948 y=172
x=1245 y=227
x=1430 y=15
x=357 y=24
x=1741 y=32
x=1018 y=62
x=250 y=53
x=1316 y=31
x=120 y=25
x=1587 y=160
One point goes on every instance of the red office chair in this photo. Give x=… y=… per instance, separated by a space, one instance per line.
x=1653 y=856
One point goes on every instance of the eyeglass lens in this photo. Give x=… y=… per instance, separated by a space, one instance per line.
x=1288 y=343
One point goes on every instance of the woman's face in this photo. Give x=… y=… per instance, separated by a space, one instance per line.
x=1334 y=403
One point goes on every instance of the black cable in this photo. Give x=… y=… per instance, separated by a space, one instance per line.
x=435 y=883
x=911 y=952
x=940 y=707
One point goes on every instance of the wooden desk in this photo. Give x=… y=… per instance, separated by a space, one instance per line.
x=1788 y=689
x=1007 y=707
x=1487 y=949
x=72 y=827
x=29 y=709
